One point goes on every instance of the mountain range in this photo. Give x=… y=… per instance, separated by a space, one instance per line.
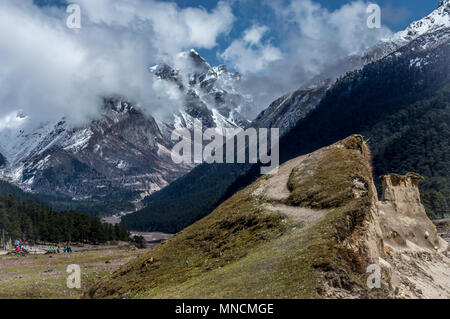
x=125 y=153
x=121 y=161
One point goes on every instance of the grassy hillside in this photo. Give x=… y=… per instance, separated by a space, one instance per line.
x=403 y=111
x=248 y=249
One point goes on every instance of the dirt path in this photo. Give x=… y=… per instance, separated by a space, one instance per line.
x=299 y=214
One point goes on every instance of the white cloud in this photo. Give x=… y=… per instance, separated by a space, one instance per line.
x=311 y=39
x=249 y=54
x=11 y=121
x=254 y=35
x=50 y=71
x=173 y=28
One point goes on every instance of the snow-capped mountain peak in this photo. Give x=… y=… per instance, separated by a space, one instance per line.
x=197 y=60
x=210 y=93
x=437 y=20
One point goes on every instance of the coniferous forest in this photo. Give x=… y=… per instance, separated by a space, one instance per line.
x=36 y=223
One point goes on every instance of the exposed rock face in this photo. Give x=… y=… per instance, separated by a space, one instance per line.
x=443 y=228
x=401 y=205
x=429 y=31
x=124 y=151
x=417 y=262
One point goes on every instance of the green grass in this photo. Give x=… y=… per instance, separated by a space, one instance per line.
x=212 y=243
x=42 y=277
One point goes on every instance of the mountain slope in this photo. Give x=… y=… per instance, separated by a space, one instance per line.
x=9 y=189
x=403 y=93
x=437 y=20
x=285 y=112
x=124 y=155
x=211 y=93
x=250 y=244
x=401 y=104
x=116 y=157
x=309 y=231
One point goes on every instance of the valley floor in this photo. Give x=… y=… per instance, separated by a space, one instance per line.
x=45 y=277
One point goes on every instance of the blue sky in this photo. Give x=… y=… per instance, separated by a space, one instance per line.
x=396 y=14
x=400 y=13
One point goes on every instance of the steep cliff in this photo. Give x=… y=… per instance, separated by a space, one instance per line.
x=416 y=257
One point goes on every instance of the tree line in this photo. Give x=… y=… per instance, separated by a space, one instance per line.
x=33 y=222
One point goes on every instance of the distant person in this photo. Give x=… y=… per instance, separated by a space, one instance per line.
x=58 y=250
x=69 y=250
x=65 y=249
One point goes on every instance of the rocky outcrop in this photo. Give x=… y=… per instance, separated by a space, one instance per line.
x=403 y=217
x=416 y=260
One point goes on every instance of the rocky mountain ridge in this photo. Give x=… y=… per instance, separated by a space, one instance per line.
x=125 y=150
